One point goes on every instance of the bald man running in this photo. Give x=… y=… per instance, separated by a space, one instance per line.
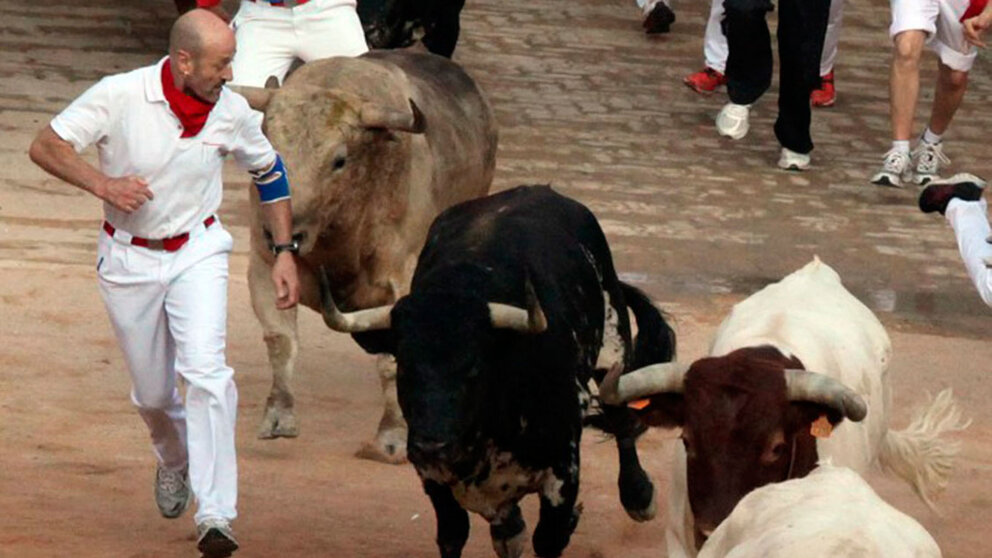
x=162 y=133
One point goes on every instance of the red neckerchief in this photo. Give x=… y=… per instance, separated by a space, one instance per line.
x=975 y=7
x=192 y=112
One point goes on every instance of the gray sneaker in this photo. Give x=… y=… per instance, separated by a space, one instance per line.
x=928 y=158
x=172 y=493
x=895 y=169
x=215 y=538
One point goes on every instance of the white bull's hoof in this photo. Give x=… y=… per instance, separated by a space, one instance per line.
x=278 y=423
x=389 y=446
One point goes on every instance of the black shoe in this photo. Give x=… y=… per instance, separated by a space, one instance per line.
x=936 y=196
x=659 y=19
x=216 y=539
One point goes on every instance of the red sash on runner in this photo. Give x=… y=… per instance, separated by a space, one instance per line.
x=192 y=112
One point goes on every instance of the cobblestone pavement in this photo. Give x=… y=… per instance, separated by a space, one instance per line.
x=593 y=106
x=587 y=103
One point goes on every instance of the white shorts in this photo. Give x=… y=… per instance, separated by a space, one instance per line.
x=941 y=20
x=270 y=38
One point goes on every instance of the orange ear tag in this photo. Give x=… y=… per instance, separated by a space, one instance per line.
x=639 y=404
x=821 y=427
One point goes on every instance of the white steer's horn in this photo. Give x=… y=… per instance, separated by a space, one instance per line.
x=378 y=116
x=258 y=98
x=803 y=385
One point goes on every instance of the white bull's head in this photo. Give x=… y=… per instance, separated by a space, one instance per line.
x=348 y=159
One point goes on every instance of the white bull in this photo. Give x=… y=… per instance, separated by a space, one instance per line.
x=376 y=147
x=830 y=513
x=748 y=411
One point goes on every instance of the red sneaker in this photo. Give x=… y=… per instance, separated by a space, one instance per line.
x=826 y=94
x=705 y=81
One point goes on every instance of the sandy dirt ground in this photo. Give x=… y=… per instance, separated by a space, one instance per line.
x=585 y=101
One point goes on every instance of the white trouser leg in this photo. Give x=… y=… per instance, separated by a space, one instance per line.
x=646 y=5
x=715 y=49
x=266 y=43
x=170 y=314
x=135 y=303
x=971 y=227
x=328 y=31
x=832 y=37
x=196 y=304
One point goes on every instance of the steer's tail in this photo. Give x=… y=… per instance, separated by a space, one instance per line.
x=918 y=455
x=655 y=341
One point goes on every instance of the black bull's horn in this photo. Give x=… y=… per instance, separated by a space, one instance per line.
x=351 y=322
x=669 y=377
x=503 y=316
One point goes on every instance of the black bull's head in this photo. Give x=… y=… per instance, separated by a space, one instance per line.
x=440 y=341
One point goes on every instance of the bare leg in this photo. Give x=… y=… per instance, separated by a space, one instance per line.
x=951 y=85
x=904 y=85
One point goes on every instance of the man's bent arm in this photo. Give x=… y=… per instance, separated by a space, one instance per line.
x=58 y=157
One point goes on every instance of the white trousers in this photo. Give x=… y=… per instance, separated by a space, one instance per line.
x=169 y=312
x=646 y=5
x=970 y=222
x=715 y=48
x=270 y=38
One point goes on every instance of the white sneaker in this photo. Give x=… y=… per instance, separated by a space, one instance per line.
x=790 y=160
x=733 y=120
x=172 y=493
x=895 y=169
x=928 y=158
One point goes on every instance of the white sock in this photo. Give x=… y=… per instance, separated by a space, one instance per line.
x=901 y=146
x=930 y=137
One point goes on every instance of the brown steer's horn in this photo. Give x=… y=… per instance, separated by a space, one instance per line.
x=666 y=377
x=257 y=97
x=803 y=385
x=352 y=322
x=507 y=316
x=378 y=116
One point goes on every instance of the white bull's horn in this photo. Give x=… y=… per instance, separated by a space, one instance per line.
x=351 y=322
x=531 y=320
x=803 y=385
x=258 y=98
x=378 y=116
x=665 y=377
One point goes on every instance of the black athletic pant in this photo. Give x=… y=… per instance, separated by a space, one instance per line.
x=802 y=25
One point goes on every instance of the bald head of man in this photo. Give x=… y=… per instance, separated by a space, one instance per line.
x=201 y=47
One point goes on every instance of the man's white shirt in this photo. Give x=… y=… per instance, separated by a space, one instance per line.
x=136 y=133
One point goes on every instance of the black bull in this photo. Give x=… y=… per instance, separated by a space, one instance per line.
x=514 y=306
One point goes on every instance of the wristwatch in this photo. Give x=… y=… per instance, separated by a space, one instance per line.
x=291 y=246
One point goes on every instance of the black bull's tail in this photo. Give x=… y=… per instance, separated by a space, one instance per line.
x=654 y=343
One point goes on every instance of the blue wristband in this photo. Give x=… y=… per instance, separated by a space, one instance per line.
x=273 y=183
